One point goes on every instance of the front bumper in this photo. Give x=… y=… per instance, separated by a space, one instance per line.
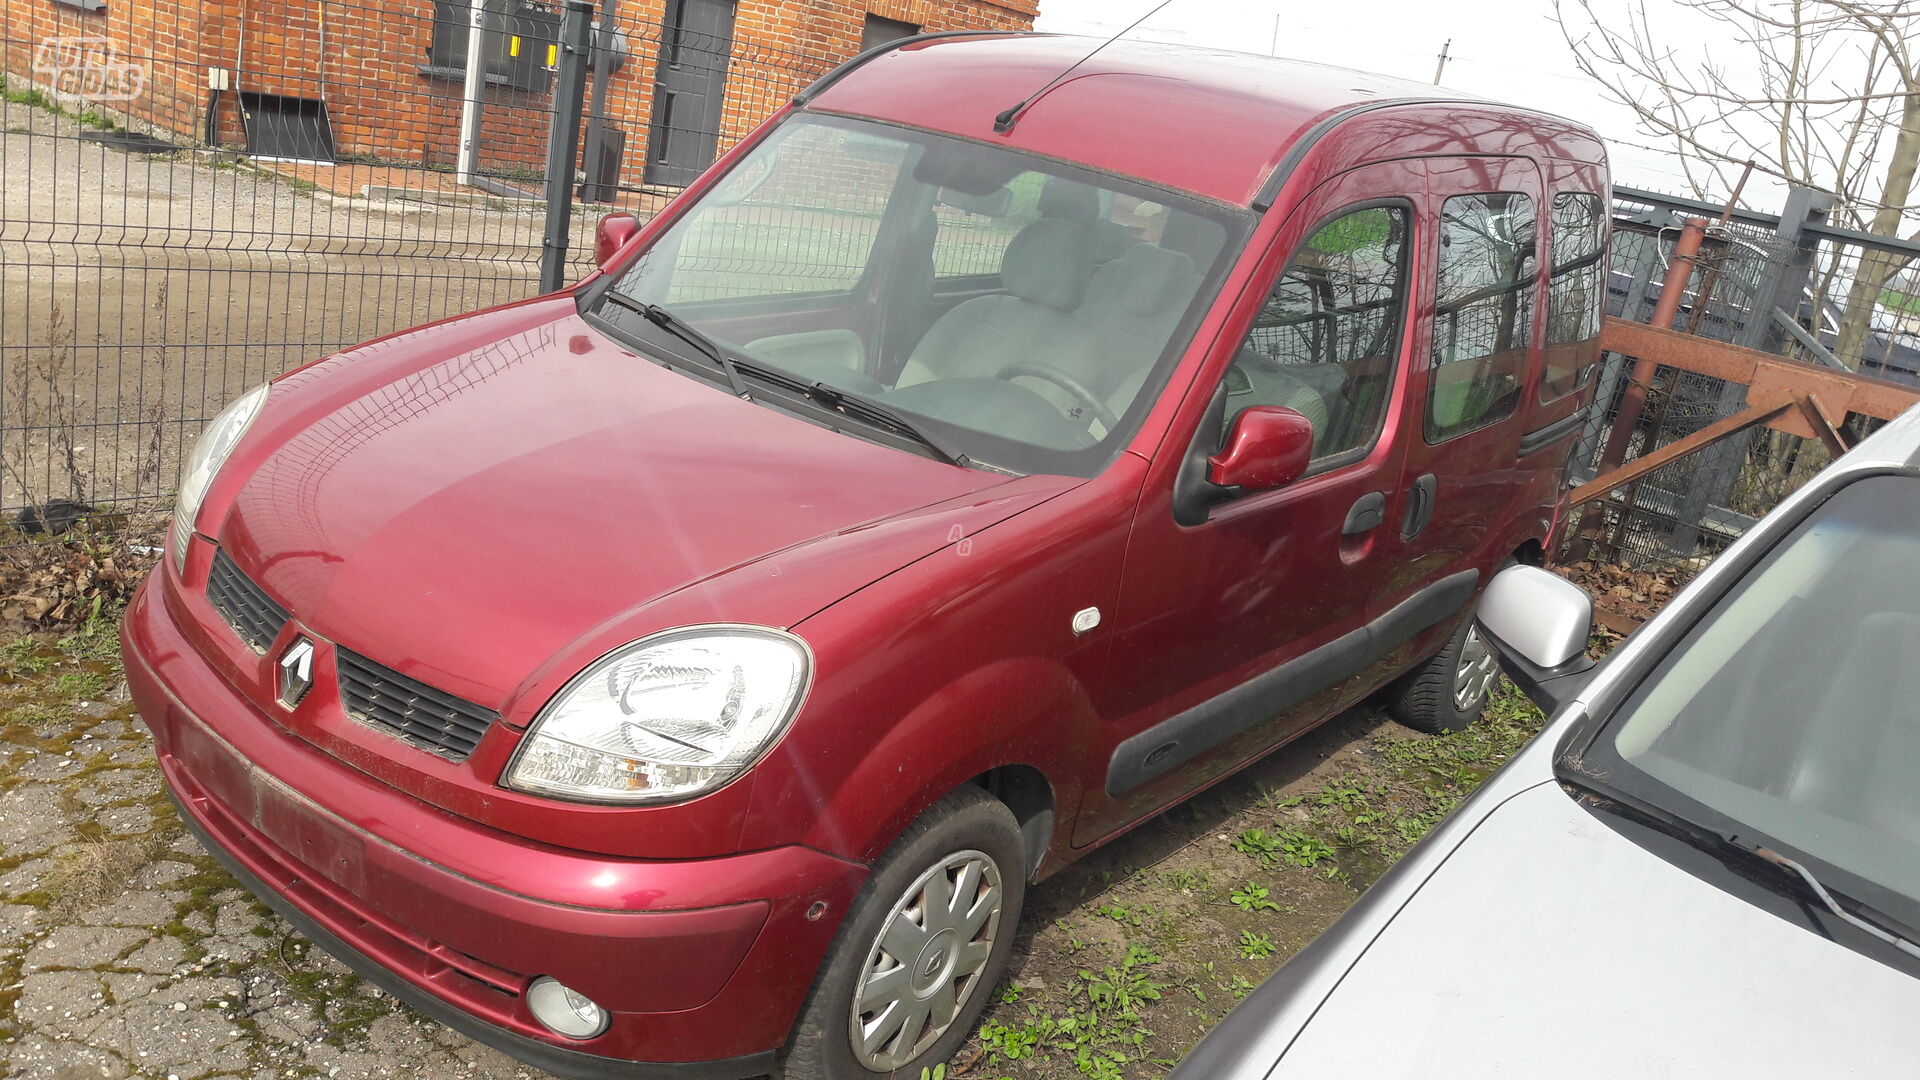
x=703 y=965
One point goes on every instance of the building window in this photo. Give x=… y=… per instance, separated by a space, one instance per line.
x=1483 y=312
x=522 y=36
x=1576 y=287
x=879 y=31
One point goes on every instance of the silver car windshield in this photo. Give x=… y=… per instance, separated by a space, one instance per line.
x=1023 y=309
x=1793 y=708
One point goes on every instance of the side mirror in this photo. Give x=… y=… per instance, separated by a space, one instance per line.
x=1269 y=446
x=614 y=232
x=1538 y=623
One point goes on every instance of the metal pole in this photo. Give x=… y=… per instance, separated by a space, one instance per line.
x=1441 y=67
x=597 y=116
x=563 y=139
x=476 y=86
x=1634 y=398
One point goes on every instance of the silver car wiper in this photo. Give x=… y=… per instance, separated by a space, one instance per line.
x=1827 y=901
x=1715 y=842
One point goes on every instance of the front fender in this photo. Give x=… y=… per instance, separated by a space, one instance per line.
x=958 y=663
x=1027 y=711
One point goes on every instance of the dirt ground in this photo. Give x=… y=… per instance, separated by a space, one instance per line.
x=126 y=951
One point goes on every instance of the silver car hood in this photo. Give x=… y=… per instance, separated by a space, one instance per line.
x=1547 y=945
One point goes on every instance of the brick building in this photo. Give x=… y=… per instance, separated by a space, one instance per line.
x=383 y=80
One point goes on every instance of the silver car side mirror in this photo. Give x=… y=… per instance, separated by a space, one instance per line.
x=1539 y=623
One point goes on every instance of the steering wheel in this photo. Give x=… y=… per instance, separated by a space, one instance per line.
x=1035 y=370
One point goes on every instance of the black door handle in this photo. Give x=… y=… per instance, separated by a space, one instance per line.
x=1367 y=514
x=1420 y=499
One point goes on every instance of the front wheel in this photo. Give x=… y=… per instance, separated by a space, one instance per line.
x=1448 y=692
x=927 y=939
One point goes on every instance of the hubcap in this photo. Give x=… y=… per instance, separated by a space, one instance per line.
x=1477 y=670
x=926 y=964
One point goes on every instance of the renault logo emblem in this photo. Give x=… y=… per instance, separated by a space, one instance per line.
x=295 y=672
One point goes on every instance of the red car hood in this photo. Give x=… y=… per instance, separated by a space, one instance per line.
x=464 y=518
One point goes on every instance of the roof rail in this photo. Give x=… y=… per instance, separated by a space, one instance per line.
x=880 y=50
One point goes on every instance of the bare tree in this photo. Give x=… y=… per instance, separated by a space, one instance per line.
x=1820 y=93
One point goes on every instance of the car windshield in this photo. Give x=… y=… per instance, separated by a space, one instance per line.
x=1023 y=311
x=1793 y=708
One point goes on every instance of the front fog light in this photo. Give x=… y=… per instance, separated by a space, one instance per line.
x=567 y=1012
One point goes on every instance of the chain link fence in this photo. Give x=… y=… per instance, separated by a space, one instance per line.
x=200 y=197
x=1784 y=283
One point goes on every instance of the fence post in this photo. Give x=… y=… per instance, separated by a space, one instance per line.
x=1786 y=286
x=1783 y=286
x=473 y=94
x=563 y=140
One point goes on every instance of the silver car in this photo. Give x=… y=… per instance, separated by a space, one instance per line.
x=1707 y=865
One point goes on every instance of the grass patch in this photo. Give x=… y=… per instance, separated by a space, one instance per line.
x=36 y=99
x=94 y=871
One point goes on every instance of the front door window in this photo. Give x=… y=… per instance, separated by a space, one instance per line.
x=1325 y=342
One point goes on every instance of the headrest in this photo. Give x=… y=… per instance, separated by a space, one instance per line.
x=1068 y=199
x=1152 y=279
x=1048 y=264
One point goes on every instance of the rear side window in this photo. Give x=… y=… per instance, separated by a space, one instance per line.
x=1575 y=291
x=1326 y=340
x=1483 y=314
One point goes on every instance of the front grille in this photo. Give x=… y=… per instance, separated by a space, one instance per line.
x=430 y=719
x=252 y=613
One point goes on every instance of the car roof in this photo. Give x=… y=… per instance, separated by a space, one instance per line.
x=1207 y=121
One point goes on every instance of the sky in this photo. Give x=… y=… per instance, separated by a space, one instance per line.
x=1510 y=50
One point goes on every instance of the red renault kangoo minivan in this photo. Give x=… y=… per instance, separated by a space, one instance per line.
x=687 y=673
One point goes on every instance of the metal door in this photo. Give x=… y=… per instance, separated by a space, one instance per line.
x=688 y=90
x=1237 y=632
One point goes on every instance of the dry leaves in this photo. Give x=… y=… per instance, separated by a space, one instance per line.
x=58 y=583
x=1634 y=595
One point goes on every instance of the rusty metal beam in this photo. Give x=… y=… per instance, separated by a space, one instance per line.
x=1633 y=399
x=1639 y=467
x=1823 y=425
x=1671 y=348
x=1841 y=392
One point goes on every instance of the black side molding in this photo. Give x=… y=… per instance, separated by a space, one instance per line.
x=1542 y=437
x=1184 y=736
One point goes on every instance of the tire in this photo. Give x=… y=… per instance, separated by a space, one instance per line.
x=1449 y=691
x=966 y=836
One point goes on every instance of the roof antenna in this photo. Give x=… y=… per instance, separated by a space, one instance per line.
x=1004 y=122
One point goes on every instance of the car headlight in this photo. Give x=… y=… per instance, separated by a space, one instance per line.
x=665 y=718
x=204 y=461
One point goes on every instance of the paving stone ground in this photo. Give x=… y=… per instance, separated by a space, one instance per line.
x=125 y=951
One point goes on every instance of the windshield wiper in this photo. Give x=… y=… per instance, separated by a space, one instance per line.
x=867 y=409
x=1718 y=843
x=685 y=331
x=1827 y=901
x=735 y=368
